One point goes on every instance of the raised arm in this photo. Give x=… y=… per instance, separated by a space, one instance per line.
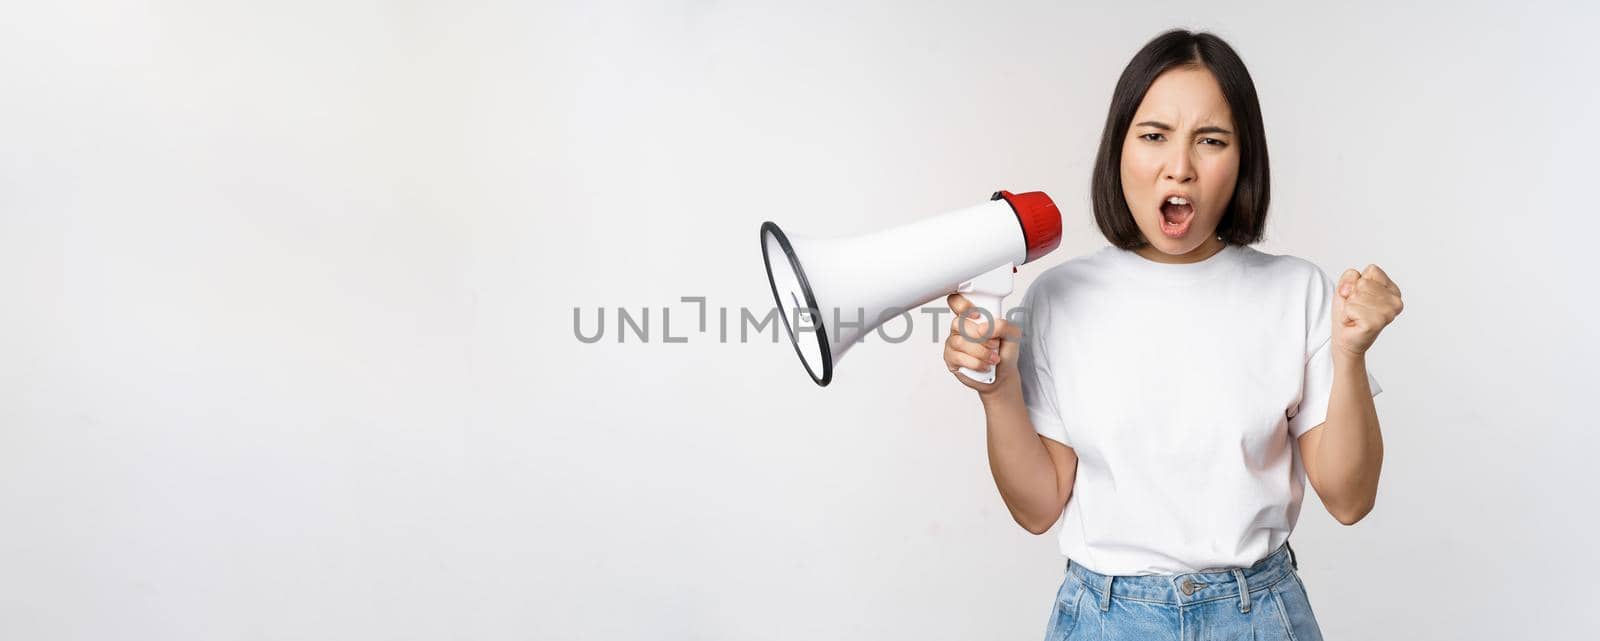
x=1344 y=455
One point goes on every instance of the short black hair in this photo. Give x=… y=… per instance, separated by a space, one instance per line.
x=1245 y=220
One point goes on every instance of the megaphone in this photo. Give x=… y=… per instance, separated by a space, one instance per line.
x=861 y=282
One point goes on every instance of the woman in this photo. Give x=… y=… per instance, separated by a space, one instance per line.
x=1173 y=391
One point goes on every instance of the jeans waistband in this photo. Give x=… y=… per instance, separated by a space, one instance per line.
x=1189 y=587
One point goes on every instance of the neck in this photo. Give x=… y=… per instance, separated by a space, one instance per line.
x=1205 y=250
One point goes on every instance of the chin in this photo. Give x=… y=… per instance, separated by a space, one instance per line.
x=1174 y=246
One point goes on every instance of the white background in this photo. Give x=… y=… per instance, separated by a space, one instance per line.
x=287 y=347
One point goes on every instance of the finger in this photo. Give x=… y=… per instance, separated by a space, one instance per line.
x=965 y=326
x=1372 y=289
x=958 y=304
x=972 y=324
x=975 y=331
x=1376 y=274
x=1003 y=331
x=1361 y=313
x=976 y=350
x=1347 y=282
x=954 y=360
x=1379 y=310
x=1376 y=296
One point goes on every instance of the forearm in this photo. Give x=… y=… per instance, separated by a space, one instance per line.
x=1021 y=466
x=1350 y=452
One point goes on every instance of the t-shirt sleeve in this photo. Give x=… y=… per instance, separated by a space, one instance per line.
x=1317 y=385
x=1033 y=367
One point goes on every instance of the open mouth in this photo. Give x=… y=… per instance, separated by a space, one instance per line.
x=1176 y=214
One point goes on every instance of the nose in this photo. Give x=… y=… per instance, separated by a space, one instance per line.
x=1180 y=168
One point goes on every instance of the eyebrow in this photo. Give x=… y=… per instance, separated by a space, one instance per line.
x=1166 y=127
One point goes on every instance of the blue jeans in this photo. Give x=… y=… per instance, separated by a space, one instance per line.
x=1192 y=606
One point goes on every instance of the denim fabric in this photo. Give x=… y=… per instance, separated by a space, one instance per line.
x=1156 y=607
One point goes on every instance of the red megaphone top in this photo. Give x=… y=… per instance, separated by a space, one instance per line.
x=1041 y=221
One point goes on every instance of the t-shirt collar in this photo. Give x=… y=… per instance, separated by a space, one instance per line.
x=1130 y=261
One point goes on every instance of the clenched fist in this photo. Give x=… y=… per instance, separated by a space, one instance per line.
x=1364 y=303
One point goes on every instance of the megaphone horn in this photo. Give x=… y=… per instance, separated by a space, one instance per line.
x=879 y=275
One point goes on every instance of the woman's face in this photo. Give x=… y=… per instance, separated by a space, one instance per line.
x=1179 y=165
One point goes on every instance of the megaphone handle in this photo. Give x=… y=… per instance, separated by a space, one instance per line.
x=992 y=304
x=988 y=291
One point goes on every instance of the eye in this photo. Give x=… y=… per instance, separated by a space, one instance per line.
x=1213 y=141
x=1153 y=137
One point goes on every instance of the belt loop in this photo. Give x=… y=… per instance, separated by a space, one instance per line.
x=1244 y=590
x=1105 y=599
x=1292 y=560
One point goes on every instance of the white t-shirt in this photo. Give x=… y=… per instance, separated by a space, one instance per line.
x=1181 y=388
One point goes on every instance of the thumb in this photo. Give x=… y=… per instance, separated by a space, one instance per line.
x=1012 y=343
x=1347 y=283
x=1342 y=291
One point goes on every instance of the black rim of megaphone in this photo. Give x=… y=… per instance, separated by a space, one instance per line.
x=770 y=227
